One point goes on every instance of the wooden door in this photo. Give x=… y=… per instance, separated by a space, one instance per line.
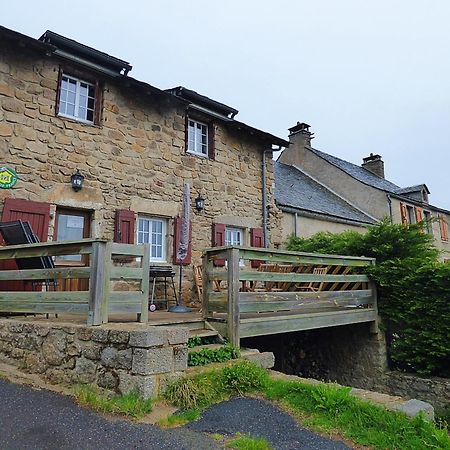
x=72 y=225
x=38 y=216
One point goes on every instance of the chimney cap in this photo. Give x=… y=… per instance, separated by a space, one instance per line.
x=300 y=126
x=371 y=157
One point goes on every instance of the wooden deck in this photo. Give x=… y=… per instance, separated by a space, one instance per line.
x=289 y=292
x=246 y=291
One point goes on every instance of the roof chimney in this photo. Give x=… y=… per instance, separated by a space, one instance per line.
x=374 y=164
x=300 y=133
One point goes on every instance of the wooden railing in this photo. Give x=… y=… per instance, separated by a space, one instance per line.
x=99 y=300
x=285 y=283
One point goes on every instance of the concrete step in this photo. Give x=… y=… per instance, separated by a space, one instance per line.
x=203 y=332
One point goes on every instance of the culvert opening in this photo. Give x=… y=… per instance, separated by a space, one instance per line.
x=350 y=354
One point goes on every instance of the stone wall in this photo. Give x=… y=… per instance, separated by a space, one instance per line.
x=120 y=358
x=350 y=355
x=135 y=159
x=434 y=390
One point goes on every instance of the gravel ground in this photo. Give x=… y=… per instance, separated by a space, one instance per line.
x=42 y=420
x=259 y=418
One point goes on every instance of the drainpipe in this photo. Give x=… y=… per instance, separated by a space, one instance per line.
x=264 y=196
x=390 y=207
x=295 y=224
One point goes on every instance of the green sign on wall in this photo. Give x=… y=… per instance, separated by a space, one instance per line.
x=8 y=178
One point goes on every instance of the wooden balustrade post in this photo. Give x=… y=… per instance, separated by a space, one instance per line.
x=233 y=318
x=207 y=267
x=99 y=283
x=145 y=284
x=374 y=326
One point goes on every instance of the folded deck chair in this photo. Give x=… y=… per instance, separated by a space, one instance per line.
x=18 y=232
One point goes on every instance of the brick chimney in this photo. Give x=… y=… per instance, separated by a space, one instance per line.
x=374 y=164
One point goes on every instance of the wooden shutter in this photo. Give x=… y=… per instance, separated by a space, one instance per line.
x=418 y=212
x=404 y=213
x=444 y=228
x=98 y=103
x=186 y=132
x=37 y=214
x=176 y=242
x=256 y=240
x=58 y=90
x=124 y=226
x=218 y=240
x=211 y=141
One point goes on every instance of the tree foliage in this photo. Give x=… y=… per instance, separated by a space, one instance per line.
x=413 y=289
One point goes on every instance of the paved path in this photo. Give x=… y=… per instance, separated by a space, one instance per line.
x=42 y=420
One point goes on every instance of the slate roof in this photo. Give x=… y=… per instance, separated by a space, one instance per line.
x=409 y=189
x=295 y=189
x=359 y=173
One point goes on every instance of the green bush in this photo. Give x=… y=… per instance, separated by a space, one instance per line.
x=413 y=290
x=217 y=355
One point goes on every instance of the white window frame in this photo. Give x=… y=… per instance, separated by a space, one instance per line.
x=192 y=141
x=143 y=237
x=78 y=82
x=230 y=239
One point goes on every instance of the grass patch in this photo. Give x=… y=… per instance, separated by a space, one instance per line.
x=323 y=407
x=241 y=442
x=129 y=404
x=180 y=418
x=329 y=407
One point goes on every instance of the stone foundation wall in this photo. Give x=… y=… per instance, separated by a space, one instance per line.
x=350 y=355
x=434 y=390
x=117 y=357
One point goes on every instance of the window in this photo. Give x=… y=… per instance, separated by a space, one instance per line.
x=234 y=236
x=76 y=99
x=153 y=231
x=428 y=222
x=411 y=215
x=197 y=138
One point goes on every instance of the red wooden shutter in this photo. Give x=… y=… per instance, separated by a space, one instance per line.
x=37 y=214
x=418 y=213
x=211 y=141
x=404 y=213
x=256 y=240
x=124 y=226
x=218 y=240
x=176 y=242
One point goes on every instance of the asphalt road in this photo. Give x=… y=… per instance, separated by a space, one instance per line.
x=42 y=420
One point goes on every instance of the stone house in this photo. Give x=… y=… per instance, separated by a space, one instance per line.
x=66 y=107
x=363 y=188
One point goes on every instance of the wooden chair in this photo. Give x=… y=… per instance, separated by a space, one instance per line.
x=273 y=286
x=315 y=286
x=198 y=279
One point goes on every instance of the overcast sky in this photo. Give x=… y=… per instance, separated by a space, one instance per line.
x=368 y=76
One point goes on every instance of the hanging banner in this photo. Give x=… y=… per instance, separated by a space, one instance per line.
x=8 y=178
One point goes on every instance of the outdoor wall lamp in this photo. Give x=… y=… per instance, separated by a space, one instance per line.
x=199 y=203
x=77 y=180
